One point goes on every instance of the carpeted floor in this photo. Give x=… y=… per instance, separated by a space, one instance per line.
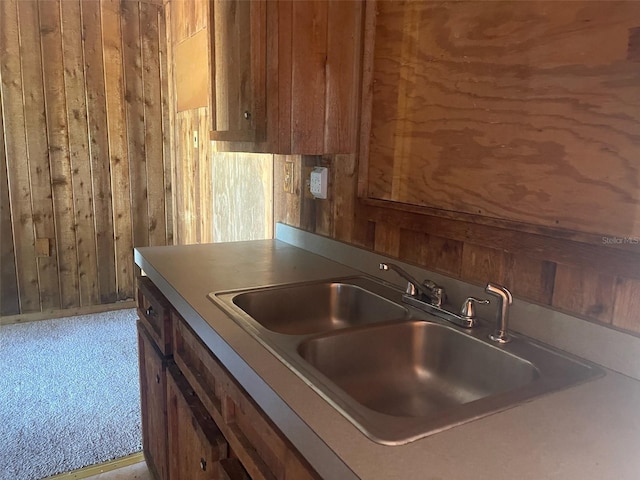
x=69 y=394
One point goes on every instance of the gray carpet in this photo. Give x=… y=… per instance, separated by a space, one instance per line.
x=69 y=394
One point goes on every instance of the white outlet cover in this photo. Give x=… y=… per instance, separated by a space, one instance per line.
x=318 y=182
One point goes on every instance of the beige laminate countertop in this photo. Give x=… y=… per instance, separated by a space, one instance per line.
x=591 y=431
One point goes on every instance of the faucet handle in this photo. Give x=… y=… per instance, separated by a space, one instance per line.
x=468 y=307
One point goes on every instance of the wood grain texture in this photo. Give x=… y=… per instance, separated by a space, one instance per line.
x=135 y=121
x=582 y=272
x=76 y=119
x=517 y=110
x=99 y=149
x=66 y=134
x=118 y=147
x=9 y=299
x=166 y=106
x=243 y=206
x=627 y=304
x=191 y=71
x=38 y=152
x=308 y=76
x=584 y=291
x=344 y=44
x=16 y=151
x=151 y=55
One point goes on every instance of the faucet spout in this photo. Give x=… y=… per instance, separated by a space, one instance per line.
x=505 y=299
x=427 y=290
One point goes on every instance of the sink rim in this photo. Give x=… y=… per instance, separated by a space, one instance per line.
x=361 y=286
x=391 y=430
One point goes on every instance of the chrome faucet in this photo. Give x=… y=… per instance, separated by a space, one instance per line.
x=505 y=299
x=419 y=290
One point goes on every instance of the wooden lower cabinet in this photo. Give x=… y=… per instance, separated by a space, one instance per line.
x=153 y=394
x=199 y=423
x=195 y=442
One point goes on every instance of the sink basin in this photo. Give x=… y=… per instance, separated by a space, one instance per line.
x=397 y=373
x=415 y=369
x=318 y=307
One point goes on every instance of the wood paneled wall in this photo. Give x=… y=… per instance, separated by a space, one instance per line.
x=192 y=170
x=218 y=196
x=587 y=275
x=84 y=165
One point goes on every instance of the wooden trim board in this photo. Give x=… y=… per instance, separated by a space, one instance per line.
x=69 y=312
x=101 y=467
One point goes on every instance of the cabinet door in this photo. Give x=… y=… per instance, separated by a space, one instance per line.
x=195 y=443
x=153 y=381
x=238 y=46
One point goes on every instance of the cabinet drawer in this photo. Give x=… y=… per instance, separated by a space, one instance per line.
x=153 y=310
x=195 y=442
x=260 y=447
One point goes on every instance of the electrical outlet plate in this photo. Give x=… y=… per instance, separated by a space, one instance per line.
x=318 y=181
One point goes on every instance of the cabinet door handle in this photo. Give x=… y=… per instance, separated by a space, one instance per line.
x=150 y=311
x=157 y=378
x=246 y=114
x=203 y=464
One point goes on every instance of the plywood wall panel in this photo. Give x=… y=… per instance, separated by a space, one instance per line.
x=68 y=136
x=242 y=208
x=524 y=111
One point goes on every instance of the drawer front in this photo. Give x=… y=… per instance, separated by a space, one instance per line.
x=195 y=442
x=153 y=383
x=153 y=310
x=260 y=447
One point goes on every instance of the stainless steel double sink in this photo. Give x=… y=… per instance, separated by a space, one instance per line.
x=398 y=374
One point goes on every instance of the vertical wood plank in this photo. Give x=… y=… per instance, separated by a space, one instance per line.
x=387 y=239
x=441 y=254
x=285 y=32
x=118 y=149
x=153 y=114
x=584 y=291
x=79 y=153
x=205 y=194
x=482 y=264
x=286 y=206
x=99 y=150
x=16 y=152
x=59 y=156
x=168 y=120
x=627 y=304
x=531 y=278
x=344 y=43
x=308 y=75
x=343 y=192
x=38 y=153
x=9 y=300
x=135 y=120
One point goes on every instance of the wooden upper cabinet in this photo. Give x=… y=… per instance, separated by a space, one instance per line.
x=286 y=75
x=238 y=48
